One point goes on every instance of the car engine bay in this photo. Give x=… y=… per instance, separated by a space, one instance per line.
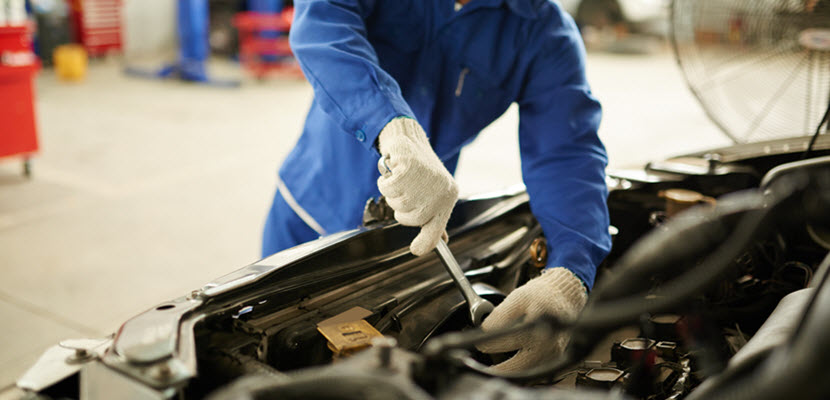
x=706 y=247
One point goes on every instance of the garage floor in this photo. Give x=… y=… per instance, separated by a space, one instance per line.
x=145 y=190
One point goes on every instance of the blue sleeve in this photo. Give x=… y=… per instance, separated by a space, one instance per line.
x=563 y=160
x=329 y=39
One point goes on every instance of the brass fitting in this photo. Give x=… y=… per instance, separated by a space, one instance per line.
x=539 y=253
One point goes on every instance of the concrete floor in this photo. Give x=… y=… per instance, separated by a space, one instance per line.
x=144 y=190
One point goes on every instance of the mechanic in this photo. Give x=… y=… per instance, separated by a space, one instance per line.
x=405 y=85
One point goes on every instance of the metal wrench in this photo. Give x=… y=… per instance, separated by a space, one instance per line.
x=479 y=307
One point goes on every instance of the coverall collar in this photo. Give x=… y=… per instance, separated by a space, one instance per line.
x=523 y=8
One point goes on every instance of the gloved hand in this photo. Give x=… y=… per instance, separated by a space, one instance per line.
x=417 y=186
x=556 y=292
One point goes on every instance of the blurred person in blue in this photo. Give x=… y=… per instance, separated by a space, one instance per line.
x=404 y=85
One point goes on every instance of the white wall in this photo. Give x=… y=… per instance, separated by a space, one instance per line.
x=149 y=27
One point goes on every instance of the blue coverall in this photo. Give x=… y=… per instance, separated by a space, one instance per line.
x=370 y=61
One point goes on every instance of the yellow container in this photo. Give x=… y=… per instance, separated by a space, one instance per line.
x=70 y=62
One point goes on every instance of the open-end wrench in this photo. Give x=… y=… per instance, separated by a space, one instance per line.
x=479 y=307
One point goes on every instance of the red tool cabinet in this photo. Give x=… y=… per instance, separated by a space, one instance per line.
x=97 y=25
x=263 y=43
x=18 y=65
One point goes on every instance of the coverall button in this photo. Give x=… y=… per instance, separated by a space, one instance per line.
x=360 y=135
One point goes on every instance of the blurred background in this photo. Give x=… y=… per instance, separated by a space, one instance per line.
x=140 y=141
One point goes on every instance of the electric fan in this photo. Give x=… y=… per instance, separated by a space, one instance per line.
x=760 y=68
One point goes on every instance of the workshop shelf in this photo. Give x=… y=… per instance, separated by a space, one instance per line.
x=263 y=43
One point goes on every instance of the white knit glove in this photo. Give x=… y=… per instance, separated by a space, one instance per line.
x=556 y=292
x=416 y=185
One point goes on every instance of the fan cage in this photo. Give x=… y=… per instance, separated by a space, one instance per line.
x=760 y=68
